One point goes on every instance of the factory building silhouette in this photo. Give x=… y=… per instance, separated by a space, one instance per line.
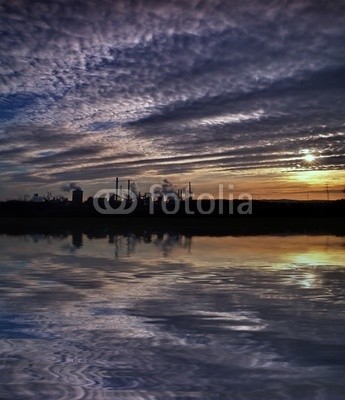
x=77 y=197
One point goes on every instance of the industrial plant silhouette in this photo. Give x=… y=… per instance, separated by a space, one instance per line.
x=164 y=202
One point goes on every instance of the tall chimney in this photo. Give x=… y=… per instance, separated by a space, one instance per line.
x=117 y=189
x=129 y=188
x=190 y=190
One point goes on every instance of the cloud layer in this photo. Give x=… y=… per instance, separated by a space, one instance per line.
x=94 y=89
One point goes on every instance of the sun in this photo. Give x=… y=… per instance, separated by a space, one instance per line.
x=309 y=158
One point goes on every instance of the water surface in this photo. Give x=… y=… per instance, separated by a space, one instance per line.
x=172 y=317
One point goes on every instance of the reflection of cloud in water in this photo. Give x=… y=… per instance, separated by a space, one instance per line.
x=235 y=320
x=163 y=316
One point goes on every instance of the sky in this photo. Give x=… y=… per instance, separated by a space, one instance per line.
x=243 y=93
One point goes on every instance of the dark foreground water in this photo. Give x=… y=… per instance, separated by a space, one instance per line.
x=172 y=317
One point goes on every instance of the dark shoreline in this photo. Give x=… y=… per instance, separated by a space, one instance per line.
x=266 y=217
x=203 y=226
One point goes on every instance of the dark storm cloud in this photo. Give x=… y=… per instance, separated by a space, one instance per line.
x=89 y=86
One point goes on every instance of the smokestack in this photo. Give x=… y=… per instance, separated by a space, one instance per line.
x=129 y=188
x=116 y=189
x=190 y=190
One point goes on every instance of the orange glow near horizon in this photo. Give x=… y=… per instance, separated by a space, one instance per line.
x=261 y=184
x=270 y=184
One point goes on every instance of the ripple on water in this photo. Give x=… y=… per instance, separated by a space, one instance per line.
x=83 y=326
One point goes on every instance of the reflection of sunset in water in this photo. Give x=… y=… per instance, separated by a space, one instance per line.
x=254 y=251
x=270 y=250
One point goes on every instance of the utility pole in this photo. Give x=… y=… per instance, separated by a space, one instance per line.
x=327 y=191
